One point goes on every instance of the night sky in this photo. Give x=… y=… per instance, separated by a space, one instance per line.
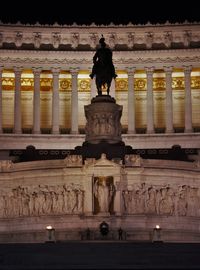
x=100 y=12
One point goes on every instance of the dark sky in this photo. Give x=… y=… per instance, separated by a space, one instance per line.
x=100 y=12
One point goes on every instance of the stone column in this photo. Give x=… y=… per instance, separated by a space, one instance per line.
x=74 y=102
x=112 y=89
x=188 y=100
x=88 y=198
x=1 y=111
x=93 y=91
x=150 y=102
x=117 y=199
x=17 y=105
x=36 y=101
x=168 y=103
x=55 y=101
x=131 y=101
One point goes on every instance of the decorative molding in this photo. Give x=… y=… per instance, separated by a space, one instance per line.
x=129 y=36
x=86 y=62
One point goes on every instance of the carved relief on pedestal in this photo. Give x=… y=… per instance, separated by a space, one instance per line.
x=103 y=122
x=103 y=194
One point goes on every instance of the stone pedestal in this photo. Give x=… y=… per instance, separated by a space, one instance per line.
x=103 y=120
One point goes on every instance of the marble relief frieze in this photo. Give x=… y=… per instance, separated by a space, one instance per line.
x=182 y=200
x=102 y=187
x=25 y=201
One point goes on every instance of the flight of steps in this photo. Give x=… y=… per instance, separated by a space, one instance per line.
x=100 y=255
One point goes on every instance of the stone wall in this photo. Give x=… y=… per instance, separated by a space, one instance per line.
x=61 y=193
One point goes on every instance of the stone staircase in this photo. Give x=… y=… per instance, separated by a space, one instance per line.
x=100 y=255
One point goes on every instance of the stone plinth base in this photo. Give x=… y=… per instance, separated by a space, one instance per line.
x=70 y=228
x=112 y=151
x=103 y=98
x=103 y=120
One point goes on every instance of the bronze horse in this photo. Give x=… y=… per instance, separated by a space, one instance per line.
x=103 y=67
x=103 y=79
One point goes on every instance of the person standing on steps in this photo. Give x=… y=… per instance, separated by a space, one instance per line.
x=120 y=234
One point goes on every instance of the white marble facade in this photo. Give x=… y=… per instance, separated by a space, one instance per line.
x=72 y=195
x=137 y=196
x=70 y=48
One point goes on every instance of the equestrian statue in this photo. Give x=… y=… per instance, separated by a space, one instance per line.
x=103 y=68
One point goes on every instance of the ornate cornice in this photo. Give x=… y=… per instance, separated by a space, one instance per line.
x=83 y=60
x=80 y=37
x=130 y=24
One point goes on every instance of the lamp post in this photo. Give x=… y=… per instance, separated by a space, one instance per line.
x=157 y=237
x=50 y=234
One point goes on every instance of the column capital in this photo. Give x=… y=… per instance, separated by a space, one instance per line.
x=168 y=69
x=89 y=69
x=36 y=70
x=55 y=71
x=130 y=70
x=187 y=69
x=149 y=70
x=18 y=70
x=1 y=68
x=74 y=71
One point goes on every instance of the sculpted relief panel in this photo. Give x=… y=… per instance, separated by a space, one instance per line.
x=69 y=199
x=162 y=200
x=119 y=192
x=41 y=200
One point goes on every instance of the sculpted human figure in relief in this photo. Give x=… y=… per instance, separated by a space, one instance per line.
x=104 y=192
x=101 y=192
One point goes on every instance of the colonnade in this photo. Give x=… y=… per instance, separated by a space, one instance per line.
x=74 y=100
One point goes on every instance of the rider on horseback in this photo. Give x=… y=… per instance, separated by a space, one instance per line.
x=102 y=62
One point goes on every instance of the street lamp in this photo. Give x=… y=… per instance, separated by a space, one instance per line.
x=50 y=234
